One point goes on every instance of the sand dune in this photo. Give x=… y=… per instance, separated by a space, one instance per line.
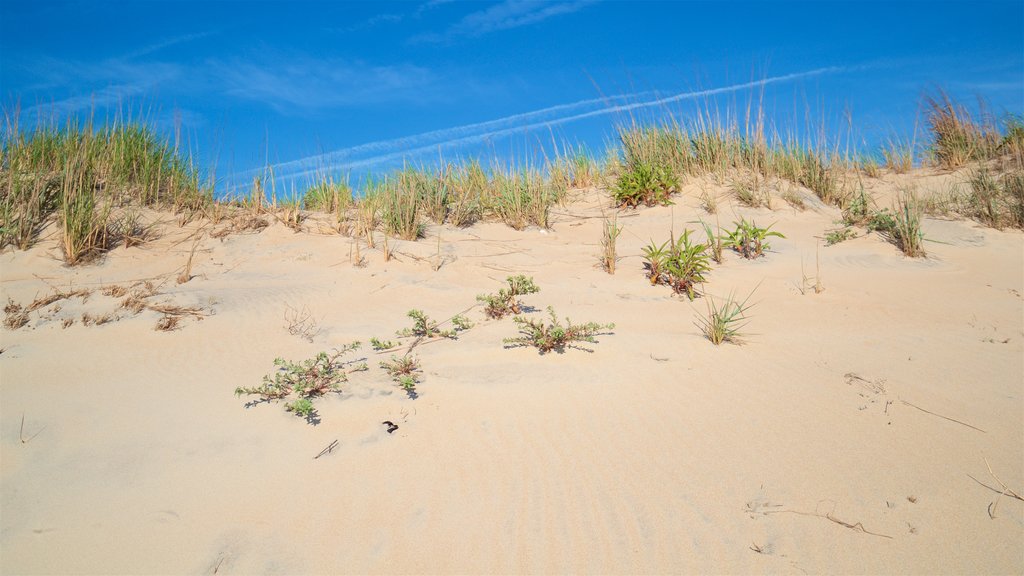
x=840 y=438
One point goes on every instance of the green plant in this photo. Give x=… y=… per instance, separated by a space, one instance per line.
x=609 y=237
x=750 y=191
x=724 y=322
x=400 y=204
x=555 y=336
x=305 y=380
x=403 y=370
x=523 y=198
x=461 y=323
x=327 y=196
x=898 y=155
x=749 y=240
x=424 y=327
x=996 y=201
x=645 y=183
x=679 y=264
x=901 y=226
x=858 y=209
x=302 y=407
x=907 y=233
x=839 y=235
x=381 y=344
x=956 y=137
x=714 y=242
x=401 y=366
x=506 y=301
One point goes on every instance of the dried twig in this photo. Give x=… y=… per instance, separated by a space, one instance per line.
x=1006 y=491
x=856 y=527
x=330 y=448
x=941 y=416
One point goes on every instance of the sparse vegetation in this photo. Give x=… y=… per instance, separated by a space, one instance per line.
x=609 y=237
x=996 y=201
x=839 y=235
x=957 y=138
x=506 y=301
x=404 y=370
x=305 y=381
x=679 y=264
x=725 y=321
x=902 y=225
x=750 y=190
x=424 y=327
x=380 y=345
x=555 y=336
x=749 y=240
x=14 y=315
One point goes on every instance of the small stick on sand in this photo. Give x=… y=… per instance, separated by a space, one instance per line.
x=1006 y=491
x=21 y=432
x=328 y=450
x=941 y=416
x=857 y=527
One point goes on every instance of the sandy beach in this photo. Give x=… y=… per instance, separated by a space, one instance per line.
x=871 y=426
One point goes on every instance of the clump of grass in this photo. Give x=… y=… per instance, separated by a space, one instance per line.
x=907 y=232
x=749 y=240
x=328 y=196
x=793 y=198
x=714 y=242
x=708 y=201
x=506 y=301
x=679 y=264
x=609 y=238
x=647 y=184
x=724 y=322
x=858 y=210
x=469 y=185
x=555 y=336
x=901 y=226
x=870 y=167
x=400 y=205
x=523 y=198
x=995 y=201
x=79 y=172
x=305 y=381
x=750 y=191
x=957 y=138
x=653 y=158
x=368 y=210
x=898 y=156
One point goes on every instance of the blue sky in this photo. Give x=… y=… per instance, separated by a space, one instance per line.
x=363 y=87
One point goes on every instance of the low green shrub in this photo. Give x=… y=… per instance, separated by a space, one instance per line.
x=679 y=264
x=555 y=336
x=749 y=240
x=506 y=301
x=305 y=381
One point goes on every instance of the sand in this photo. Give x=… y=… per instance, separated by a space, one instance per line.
x=841 y=437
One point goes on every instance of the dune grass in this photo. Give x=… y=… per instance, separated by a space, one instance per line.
x=83 y=177
x=78 y=173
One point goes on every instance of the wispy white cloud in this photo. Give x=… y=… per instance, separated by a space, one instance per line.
x=302 y=83
x=165 y=44
x=389 y=151
x=504 y=16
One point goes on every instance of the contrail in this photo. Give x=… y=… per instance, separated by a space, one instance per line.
x=444 y=135
x=503 y=129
